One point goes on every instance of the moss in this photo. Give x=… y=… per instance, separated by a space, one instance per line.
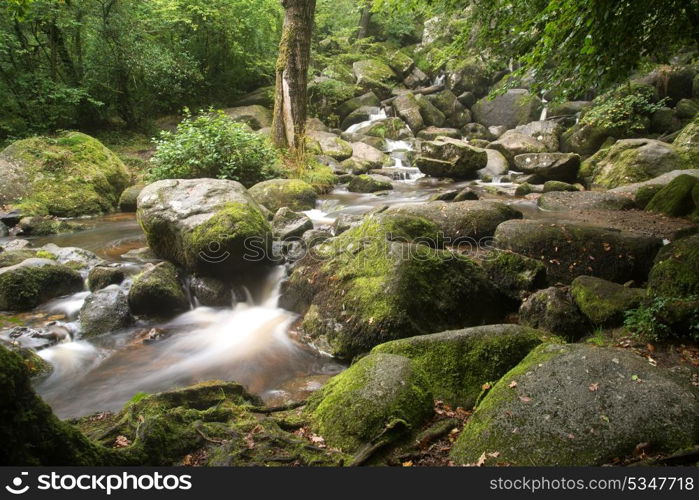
x=675 y=199
x=31 y=435
x=28 y=284
x=544 y=412
x=103 y=276
x=514 y=273
x=687 y=142
x=457 y=363
x=369 y=289
x=550 y=186
x=368 y=184
x=158 y=291
x=68 y=176
x=319 y=176
x=645 y=194
x=676 y=269
x=604 y=302
x=13 y=257
x=231 y=227
x=43 y=254
x=292 y=193
x=379 y=398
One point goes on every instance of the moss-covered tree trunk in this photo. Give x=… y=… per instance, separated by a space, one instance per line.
x=290 y=98
x=364 y=22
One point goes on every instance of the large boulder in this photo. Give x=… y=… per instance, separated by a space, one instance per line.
x=368 y=155
x=255 y=116
x=373 y=284
x=465 y=222
x=452 y=158
x=603 y=302
x=516 y=276
x=288 y=224
x=157 y=291
x=676 y=199
x=584 y=139
x=331 y=145
x=203 y=225
x=514 y=107
x=547 y=132
x=577 y=404
x=549 y=166
x=431 y=115
x=472 y=75
x=569 y=249
x=388 y=128
x=105 y=311
x=629 y=161
x=512 y=144
x=687 y=143
x=653 y=185
x=365 y=100
x=33 y=281
x=369 y=183
x=373 y=75
x=676 y=269
x=381 y=397
x=584 y=200
x=101 y=277
x=69 y=175
x=457 y=363
x=407 y=108
x=129 y=198
x=291 y=193
x=554 y=310
x=31 y=434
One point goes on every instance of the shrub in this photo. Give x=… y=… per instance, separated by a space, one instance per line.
x=624 y=111
x=211 y=145
x=665 y=318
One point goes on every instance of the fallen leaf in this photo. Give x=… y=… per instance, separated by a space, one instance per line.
x=409 y=463
x=513 y=384
x=494 y=454
x=525 y=399
x=121 y=442
x=594 y=387
x=481 y=460
x=486 y=386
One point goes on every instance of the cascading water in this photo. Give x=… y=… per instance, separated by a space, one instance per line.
x=379 y=114
x=249 y=344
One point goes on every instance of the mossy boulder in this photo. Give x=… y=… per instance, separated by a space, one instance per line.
x=676 y=198
x=157 y=291
x=378 y=399
x=584 y=200
x=211 y=292
x=676 y=269
x=39 y=225
x=554 y=310
x=514 y=107
x=331 y=145
x=369 y=183
x=374 y=283
x=204 y=225
x=13 y=257
x=576 y=405
x=558 y=186
x=687 y=143
x=38 y=368
x=30 y=433
x=33 y=281
x=603 y=302
x=102 y=276
x=369 y=99
x=373 y=75
x=69 y=175
x=407 y=108
x=452 y=158
x=389 y=128
x=457 y=363
x=631 y=161
x=277 y=193
x=465 y=222
x=431 y=115
x=569 y=249
x=515 y=275
x=128 y=201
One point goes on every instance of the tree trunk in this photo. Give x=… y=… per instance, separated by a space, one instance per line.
x=289 y=124
x=364 y=22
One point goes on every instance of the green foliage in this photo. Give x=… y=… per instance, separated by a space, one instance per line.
x=625 y=109
x=79 y=63
x=211 y=145
x=665 y=318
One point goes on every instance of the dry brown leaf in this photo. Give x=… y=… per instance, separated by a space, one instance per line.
x=525 y=399
x=594 y=387
x=486 y=386
x=513 y=384
x=409 y=463
x=121 y=442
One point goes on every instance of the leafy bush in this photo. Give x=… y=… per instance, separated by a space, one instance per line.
x=211 y=145
x=624 y=110
x=665 y=318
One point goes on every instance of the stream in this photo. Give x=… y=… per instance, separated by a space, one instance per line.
x=251 y=343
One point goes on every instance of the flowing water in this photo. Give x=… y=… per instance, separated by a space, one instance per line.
x=252 y=343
